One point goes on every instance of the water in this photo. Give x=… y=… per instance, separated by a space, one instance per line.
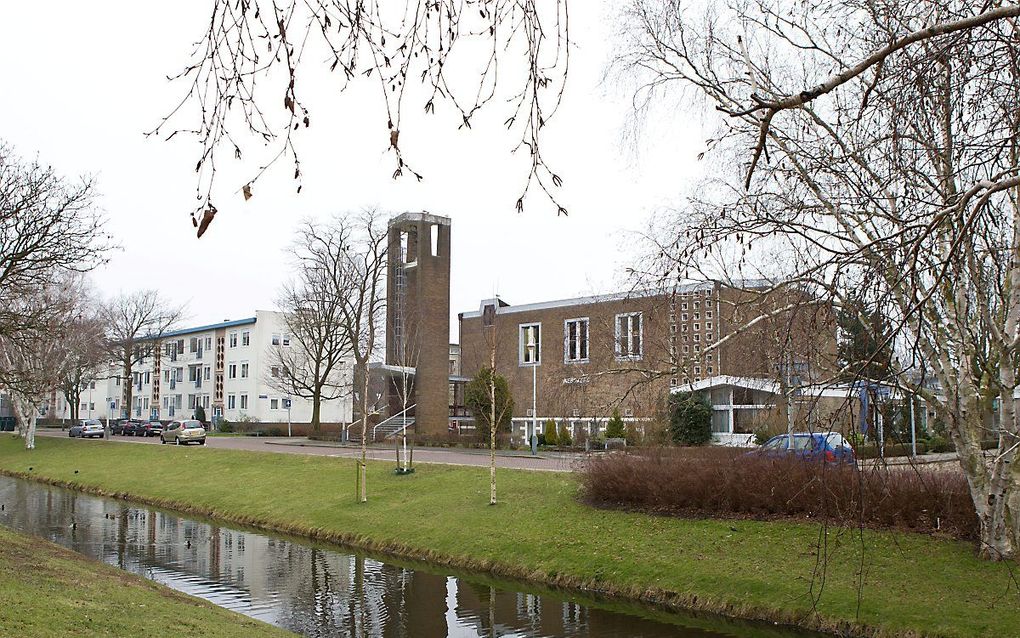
x=319 y=590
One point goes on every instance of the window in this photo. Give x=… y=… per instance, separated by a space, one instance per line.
x=193 y=344
x=232 y=371
x=207 y=371
x=683 y=306
x=708 y=336
x=244 y=370
x=530 y=347
x=575 y=335
x=180 y=346
x=191 y=401
x=697 y=304
x=697 y=327
x=274 y=371
x=672 y=328
x=205 y=401
x=92 y=406
x=708 y=314
x=166 y=402
x=628 y=336
x=696 y=316
x=233 y=339
x=245 y=338
x=231 y=401
x=192 y=375
x=286 y=340
x=274 y=404
x=683 y=317
x=697 y=337
x=145 y=403
x=148 y=377
x=92 y=385
x=708 y=325
x=208 y=343
x=244 y=401
x=683 y=327
x=276 y=340
x=166 y=375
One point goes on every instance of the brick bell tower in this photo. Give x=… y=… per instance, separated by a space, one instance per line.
x=418 y=318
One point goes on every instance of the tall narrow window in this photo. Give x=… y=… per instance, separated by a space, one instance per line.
x=435 y=240
x=233 y=339
x=575 y=336
x=628 y=336
x=530 y=350
x=245 y=338
x=244 y=370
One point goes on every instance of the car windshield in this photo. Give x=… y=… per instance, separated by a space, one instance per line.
x=803 y=442
x=190 y=425
x=775 y=443
x=836 y=439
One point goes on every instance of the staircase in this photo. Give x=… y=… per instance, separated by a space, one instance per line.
x=393 y=426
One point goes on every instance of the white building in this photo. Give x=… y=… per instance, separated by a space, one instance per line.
x=225 y=367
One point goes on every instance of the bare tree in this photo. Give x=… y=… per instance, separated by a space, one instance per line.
x=47 y=224
x=32 y=358
x=314 y=367
x=874 y=144
x=363 y=245
x=242 y=88
x=134 y=324
x=83 y=345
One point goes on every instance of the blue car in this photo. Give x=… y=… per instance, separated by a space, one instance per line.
x=830 y=447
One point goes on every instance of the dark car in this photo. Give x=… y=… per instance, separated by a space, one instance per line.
x=132 y=427
x=830 y=447
x=150 y=428
x=117 y=427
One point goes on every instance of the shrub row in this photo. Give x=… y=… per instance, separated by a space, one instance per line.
x=719 y=482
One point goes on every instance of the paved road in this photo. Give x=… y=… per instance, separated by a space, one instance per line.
x=552 y=462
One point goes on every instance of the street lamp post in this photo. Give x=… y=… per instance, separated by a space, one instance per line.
x=288 y=415
x=533 y=439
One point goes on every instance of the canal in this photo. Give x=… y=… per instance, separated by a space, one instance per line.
x=322 y=590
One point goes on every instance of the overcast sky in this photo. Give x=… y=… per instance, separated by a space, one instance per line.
x=82 y=81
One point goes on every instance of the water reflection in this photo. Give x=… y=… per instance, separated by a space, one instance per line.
x=309 y=589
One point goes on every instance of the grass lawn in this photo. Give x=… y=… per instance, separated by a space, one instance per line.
x=46 y=590
x=539 y=531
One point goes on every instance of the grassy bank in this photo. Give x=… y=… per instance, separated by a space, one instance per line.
x=539 y=531
x=46 y=590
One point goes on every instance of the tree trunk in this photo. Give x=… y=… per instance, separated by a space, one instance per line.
x=995 y=489
x=492 y=423
x=316 y=405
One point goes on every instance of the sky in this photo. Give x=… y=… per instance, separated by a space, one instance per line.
x=84 y=81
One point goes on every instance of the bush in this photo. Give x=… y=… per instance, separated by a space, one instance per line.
x=761 y=435
x=614 y=429
x=690 y=419
x=563 y=436
x=715 y=481
x=477 y=399
x=549 y=430
x=632 y=434
x=225 y=426
x=940 y=444
x=275 y=432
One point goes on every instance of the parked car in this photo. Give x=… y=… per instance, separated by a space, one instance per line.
x=93 y=428
x=75 y=430
x=117 y=427
x=830 y=447
x=132 y=427
x=183 y=432
x=150 y=428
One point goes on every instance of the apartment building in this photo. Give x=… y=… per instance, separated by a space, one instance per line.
x=227 y=368
x=577 y=360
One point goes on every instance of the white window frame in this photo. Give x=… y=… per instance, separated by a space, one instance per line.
x=274 y=404
x=244 y=369
x=522 y=346
x=244 y=400
x=631 y=354
x=566 y=340
x=231 y=401
x=233 y=340
x=275 y=340
x=246 y=338
x=232 y=370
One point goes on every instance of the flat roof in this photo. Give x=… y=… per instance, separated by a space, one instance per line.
x=212 y=326
x=502 y=307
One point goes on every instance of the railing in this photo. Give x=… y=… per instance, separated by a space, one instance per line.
x=405 y=421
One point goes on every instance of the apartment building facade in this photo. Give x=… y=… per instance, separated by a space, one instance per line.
x=577 y=360
x=227 y=368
